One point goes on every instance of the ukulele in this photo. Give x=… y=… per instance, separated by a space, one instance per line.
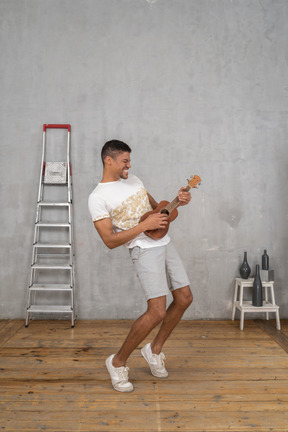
x=170 y=209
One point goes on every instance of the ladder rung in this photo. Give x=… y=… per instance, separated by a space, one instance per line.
x=55 y=258
x=52 y=266
x=49 y=308
x=53 y=224
x=52 y=245
x=50 y=287
x=54 y=183
x=53 y=204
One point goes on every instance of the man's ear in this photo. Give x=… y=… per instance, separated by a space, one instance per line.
x=107 y=160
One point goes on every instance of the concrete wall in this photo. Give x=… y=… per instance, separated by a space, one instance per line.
x=195 y=87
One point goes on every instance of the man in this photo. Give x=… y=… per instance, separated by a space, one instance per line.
x=116 y=206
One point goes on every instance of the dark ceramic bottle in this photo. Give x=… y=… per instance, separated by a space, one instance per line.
x=245 y=269
x=257 y=294
x=265 y=261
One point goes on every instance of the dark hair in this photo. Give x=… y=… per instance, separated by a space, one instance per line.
x=113 y=148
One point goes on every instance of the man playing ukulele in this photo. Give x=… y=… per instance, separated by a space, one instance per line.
x=116 y=206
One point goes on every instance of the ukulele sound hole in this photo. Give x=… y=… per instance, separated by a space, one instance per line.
x=165 y=211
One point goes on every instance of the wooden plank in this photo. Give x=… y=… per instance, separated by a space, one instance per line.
x=208 y=350
x=104 y=328
x=161 y=390
x=147 y=419
x=112 y=344
x=82 y=368
x=136 y=360
x=76 y=338
x=185 y=405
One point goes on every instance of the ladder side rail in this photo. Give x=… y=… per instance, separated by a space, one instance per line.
x=31 y=294
x=71 y=276
x=70 y=213
x=36 y=228
x=73 y=295
x=40 y=190
x=71 y=247
x=39 y=199
x=27 y=317
x=69 y=185
x=36 y=237
x=71 y=234
x=32 y=276
x=69 y=170
x=38 y=216
x=34 y=242
x=38 y=211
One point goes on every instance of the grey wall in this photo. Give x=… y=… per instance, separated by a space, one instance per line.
x=195 y=87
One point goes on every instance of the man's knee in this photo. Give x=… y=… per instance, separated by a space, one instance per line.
x=159 y=315
x=157 y=309
x=183 y=297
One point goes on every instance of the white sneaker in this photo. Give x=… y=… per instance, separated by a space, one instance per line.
x=155 y=362
x=119 y=376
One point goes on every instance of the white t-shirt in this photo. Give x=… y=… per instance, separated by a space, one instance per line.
x=124 y=202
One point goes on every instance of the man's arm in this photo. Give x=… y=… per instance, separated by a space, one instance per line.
x=152 y=201
x=113 y=240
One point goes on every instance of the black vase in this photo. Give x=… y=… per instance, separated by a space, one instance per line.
x=257 y=294
x=265 y=261
x=245 y=270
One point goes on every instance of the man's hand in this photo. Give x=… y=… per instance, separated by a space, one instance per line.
x=155 y=221
x=184 y=197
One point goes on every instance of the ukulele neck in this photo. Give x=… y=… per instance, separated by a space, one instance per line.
x=174 y=204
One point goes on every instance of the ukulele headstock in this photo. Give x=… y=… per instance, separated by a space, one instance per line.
x=194 y=181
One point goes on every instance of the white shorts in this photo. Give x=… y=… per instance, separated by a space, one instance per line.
x=159 y=269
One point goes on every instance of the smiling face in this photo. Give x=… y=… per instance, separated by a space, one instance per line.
x=118 y=166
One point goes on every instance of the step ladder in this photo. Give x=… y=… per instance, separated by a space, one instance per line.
x=52 y=279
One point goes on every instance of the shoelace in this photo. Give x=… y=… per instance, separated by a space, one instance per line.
x=162 y=356
x=160 y=359
x=123 y=374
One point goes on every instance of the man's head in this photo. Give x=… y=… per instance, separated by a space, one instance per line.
x=113 y=148
x=116 y=160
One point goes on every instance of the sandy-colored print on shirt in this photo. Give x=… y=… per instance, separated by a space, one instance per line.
x=129 y=212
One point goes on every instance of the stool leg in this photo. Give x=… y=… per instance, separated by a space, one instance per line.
x=272 y=294
x=278 y=320
x=234 y=301
x=266 y=300
x=241 y=295
x=242 y=320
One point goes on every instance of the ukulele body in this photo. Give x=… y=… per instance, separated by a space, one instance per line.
x=170 y=209
x=160 y=232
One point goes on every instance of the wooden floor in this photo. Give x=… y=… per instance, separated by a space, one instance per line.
x=53 y=378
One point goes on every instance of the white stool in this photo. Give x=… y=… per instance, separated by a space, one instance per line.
x=246 y=306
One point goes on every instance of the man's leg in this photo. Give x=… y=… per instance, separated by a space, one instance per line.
x=155 y=313
x=182 y=299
